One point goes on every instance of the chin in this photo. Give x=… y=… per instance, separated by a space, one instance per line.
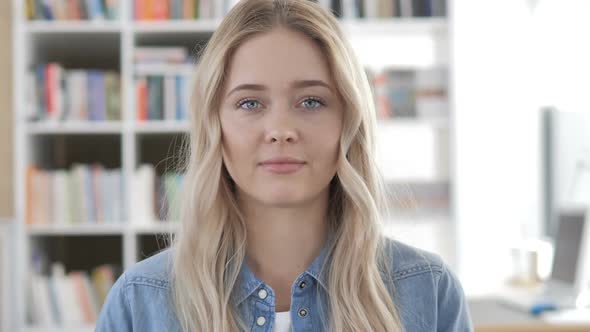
x=283 y=200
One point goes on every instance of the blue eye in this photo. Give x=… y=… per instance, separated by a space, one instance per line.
x=251 y=103
x=309 y=103
x=313 y=102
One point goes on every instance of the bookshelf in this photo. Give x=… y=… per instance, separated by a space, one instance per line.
x=125 y=144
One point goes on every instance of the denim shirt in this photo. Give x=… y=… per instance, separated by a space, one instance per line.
x=428 y=295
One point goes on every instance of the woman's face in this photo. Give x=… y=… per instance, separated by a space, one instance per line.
x=279 y=101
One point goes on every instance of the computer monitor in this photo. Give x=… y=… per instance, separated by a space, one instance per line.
x=571 y=243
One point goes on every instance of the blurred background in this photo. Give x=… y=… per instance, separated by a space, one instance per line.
x=484 y=140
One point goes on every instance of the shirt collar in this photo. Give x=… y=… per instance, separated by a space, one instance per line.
x=248 y=282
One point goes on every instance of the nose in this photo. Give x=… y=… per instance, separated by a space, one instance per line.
x=281 y=128
x=281 y=136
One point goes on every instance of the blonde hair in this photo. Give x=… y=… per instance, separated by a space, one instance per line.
x=210 y=245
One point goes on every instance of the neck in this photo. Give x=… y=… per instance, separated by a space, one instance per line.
x=282 y=242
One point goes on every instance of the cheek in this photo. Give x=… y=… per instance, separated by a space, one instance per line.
x=237 y=147
x=326 y=144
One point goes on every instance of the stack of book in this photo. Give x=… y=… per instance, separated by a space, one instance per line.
x=85 y=194
x=410 y=93
x=70 y=299
x=72 y=9
x=386 y=8
x=156 y=196
x=181 y=9
x=162 y=83
x=56 y=94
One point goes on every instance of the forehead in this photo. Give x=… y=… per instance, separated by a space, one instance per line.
x=278 y=56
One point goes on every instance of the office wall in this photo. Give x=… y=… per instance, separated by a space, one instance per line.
x=497 y=138
x=6 y=172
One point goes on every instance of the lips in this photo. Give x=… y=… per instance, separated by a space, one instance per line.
x=283 y=160
x=282 y=165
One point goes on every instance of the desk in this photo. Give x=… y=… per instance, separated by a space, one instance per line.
x=490 y=315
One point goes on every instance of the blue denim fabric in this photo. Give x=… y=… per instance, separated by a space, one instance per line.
x=428 y=295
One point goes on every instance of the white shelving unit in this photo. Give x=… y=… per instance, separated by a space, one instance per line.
x=112 y=44
x=6 y=292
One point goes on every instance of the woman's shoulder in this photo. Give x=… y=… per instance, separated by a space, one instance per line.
x=140 y=298
x=407 y=260
x=420 y=274
x=152 y=271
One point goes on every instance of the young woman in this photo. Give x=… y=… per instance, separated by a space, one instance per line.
x=281 y=227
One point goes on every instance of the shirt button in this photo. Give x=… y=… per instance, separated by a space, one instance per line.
x=260 y=321
x=262 y=293
x=302 y=313
x=302 y=284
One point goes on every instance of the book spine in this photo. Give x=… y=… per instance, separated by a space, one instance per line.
x=337 y=8
x=154 y=98
x=40 y=82
x=348 y=9
x=92 y=93
x=188 y=9
x=186 y=91
x=169 y=98
x=148 y=10
x=88 y=194
x=179 y=94
x=74 y=198
x=56 y=305
x=60 y=102
x=160 y=10
x=96 y=178
x=406 y=8
x=51 y=91
x=71 y=96
x=176 y=9
x=141 y=97
x=100 y=95
x=84 y=107
x=204 y=10
x=31 y=10
x=47 y=10
x=371 y=9
x=112 y=9
x=74 y=10
x=138 y=9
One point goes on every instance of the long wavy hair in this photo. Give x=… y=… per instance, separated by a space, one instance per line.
x=211 y=243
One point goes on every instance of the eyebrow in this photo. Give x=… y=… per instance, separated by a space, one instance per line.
x=296 y=85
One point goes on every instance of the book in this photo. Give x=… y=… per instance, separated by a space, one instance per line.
x=83 y=297
x=41 y=303
x=63 y=95
x=65 y=300
x=82 y=194
x=160 y=54
x=169 y=97
x=410 y=93
x=155 y=101
x=336 y=7
x=144 y=195
x=72 y=9
x=162 y=97
x=157 y=196
x=141 y=98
